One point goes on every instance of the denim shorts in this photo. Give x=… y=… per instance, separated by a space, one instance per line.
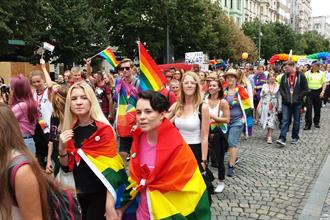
x=29 y=142
x=234 y=133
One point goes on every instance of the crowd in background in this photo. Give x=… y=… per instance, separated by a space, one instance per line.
x=212 y=111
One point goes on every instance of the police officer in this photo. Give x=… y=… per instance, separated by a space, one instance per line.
x=316 y=81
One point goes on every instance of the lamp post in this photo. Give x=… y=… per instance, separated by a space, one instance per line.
x=259 y=36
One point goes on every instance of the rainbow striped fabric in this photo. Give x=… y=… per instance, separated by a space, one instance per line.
x=109 y=56
x=151 y=77
x=99 y=152
x=245 y=103
x=175 y=188
x=126 y=112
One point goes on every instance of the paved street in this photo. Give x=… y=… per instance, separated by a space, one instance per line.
x=273 y=182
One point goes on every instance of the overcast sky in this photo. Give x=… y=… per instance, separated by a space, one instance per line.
x=320 y=7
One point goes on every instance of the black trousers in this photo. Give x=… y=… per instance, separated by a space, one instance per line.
x=313 y=100
x=217 y=150
x=326 y=94
x=92 y=205
x=197 y=150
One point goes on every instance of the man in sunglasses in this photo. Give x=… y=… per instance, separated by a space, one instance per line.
x=130 y=84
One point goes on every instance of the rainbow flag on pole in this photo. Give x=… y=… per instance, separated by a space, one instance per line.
x=109 y=56
x=151 y=77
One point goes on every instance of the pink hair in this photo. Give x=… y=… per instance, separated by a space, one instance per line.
x=22 y=92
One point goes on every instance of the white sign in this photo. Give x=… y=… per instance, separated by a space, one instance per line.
x=194 y=58
x=304 y=61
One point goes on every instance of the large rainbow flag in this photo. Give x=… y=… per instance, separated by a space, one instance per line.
x=175 y=187
x=109 y=56
x=126 y=112
x=151 y=78
x=99 y=152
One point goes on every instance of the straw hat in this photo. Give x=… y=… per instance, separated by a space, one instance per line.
x=212 y=76
x=232 y=72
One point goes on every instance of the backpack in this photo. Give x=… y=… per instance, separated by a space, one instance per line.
x=63 y=204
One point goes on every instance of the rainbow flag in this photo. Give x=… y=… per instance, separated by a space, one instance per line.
x=109 y=56
x=126 y=112
x=99 y=152
x=151 y=78
x=175 y=187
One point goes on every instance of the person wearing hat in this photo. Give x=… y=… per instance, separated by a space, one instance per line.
x=240 y=116
x=293 y=88
x=316 y=81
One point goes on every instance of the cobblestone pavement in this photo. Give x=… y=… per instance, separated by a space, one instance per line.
x=326 y=208
x=273 y=182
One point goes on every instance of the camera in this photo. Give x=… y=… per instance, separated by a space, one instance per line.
x=4 y=89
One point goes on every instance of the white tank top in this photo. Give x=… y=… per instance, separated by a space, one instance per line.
x=215 y=111
x=45 y=107
x=190 y=128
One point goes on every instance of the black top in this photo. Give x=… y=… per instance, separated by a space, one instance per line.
x=86 y=181
x=299 y=91
x=54 y=135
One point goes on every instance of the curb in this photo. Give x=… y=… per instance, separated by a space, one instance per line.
x=314 y=205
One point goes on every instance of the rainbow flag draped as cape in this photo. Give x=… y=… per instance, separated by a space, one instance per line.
x=126 y=112
x=175 y=187
x=151 y=78
x=99 y=152
x=109 y=56
x=245 y=104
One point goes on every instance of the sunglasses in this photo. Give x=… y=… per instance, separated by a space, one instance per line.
x=124 y=68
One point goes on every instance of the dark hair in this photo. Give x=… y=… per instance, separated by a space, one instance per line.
x=157 y=101
x=288 y=62
x=220 y=93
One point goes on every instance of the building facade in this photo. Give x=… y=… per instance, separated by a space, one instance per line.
x=234 y=9
x=301 y=13
x=283 y=11
x=320 y=24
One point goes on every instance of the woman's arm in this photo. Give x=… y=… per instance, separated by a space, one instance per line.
x=110 y=211
x=49 y=81
x=49 y=166
x=205 y=130
x=27 y=193
x=65 y=136
x=224 y=107
x=171 y=113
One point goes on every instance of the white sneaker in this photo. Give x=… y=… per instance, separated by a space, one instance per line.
x=220 y=187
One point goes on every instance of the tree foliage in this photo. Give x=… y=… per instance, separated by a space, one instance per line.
x=280 y=38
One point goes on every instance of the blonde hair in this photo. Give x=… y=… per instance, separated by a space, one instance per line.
x=36 y=73
x=95 y=111
x=197 y=96
x=242 y=79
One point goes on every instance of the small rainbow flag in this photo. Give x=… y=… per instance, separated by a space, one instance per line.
x=151 y=77
x=109 y=56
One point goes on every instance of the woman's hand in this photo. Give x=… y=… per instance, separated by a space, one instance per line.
x=133 y=128
x=49 y=167
x=65 y=136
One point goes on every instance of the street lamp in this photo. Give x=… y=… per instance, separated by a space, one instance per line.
x=259 y=37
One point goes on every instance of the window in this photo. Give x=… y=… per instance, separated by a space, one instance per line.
x=238 y=4
x=225 y=3
x=238 y=21
x=231 y=4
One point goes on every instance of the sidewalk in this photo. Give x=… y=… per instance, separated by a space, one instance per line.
x=273 y=182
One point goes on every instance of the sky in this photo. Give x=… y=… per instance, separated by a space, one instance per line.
x=320 y=7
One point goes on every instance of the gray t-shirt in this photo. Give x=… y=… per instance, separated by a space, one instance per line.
x=236 y=113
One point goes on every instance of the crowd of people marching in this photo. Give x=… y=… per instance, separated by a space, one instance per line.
x=175 y=134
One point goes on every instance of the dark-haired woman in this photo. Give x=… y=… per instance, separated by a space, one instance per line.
x=23 y=193
x=163 y=169
x=219 y=118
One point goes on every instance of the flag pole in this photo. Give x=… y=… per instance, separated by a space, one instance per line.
x=96 y=54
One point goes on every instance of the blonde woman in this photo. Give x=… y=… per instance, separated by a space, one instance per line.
x=245 y=82
x=86 y=131
x=191 y=116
